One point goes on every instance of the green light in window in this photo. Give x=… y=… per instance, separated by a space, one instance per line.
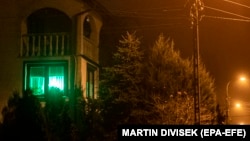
x=44 y=78
x=56 y=82
x=37 y=85
x=56 y=77
x=37 y=80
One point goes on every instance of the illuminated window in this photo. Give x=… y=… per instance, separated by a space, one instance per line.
x=90 y=81
x=56 y=77
x=43 y=77
x=37 y=80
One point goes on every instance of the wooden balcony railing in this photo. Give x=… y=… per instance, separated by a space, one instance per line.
x=47 y=44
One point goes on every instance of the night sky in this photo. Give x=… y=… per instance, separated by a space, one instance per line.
x=224 y=32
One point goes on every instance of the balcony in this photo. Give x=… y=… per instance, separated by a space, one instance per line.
x=45 y=44
x=89 y=49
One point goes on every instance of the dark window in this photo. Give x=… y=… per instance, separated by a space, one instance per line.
x=87 y=27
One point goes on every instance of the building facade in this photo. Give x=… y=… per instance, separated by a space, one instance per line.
x=48 y=44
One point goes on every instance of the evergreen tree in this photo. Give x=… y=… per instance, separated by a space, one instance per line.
x=168 y=80
x=208 y=100
x=165 y=71
x=126 y=70
x=120 y=86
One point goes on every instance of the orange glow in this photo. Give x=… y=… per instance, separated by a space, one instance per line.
x=241 y=123
x=243 y=79
x=237 y=105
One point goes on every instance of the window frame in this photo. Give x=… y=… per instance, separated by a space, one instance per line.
x=46 y=65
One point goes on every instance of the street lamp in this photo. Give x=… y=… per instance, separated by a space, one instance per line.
x=242 y=110
x=237 y=105
x=228 y=101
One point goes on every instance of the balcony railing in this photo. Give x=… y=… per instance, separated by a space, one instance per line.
x=47 y=44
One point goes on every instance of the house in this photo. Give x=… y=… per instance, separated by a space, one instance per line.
x=49 y=44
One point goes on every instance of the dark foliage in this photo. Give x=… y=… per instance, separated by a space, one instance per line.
x=72 y=118
x=22 y=119
x=58 y=122
x=221 y=117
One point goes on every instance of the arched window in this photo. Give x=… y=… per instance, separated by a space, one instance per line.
x=48 y=20
x=87 y=27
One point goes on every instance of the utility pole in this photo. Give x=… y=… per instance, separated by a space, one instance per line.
x=195 y=10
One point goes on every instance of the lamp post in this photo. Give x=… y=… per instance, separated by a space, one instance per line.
x=228 y=99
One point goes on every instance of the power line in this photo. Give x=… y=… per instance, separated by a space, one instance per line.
x=149 y=26
x=225 y=18
x=134 y=14
x=161 y=9
x=230 y=13
x=151 y=15
x=158 y=16
x=236 y=3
